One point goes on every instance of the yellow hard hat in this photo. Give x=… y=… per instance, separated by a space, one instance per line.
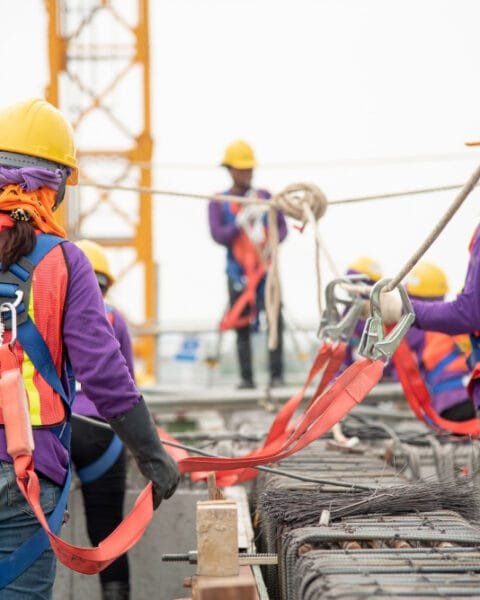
x=366 y=266
x=36 y=128
x=474 y=143
x=239 y=155
x=427 y=281
x=97 y=257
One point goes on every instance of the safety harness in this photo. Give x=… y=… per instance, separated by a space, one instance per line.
x=103 y=463
x=20 y=443
x=418 y=394
x=419 y=399
x=15 y=287
x=251 y=267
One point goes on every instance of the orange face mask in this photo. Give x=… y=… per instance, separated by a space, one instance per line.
x=38 y=204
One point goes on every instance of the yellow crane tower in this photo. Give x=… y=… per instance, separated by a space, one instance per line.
x=100 y=77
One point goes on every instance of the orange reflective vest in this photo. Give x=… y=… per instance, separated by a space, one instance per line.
x=441 y=356
x=45 y=308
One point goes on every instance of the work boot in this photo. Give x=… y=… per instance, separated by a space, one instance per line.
x=276 y=381
x=116 y=590
x=246 y=384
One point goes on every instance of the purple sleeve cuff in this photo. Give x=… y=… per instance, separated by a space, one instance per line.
x=89 y=340
x=453 y=318
x=462 y=315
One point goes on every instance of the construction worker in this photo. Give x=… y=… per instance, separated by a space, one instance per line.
x=103 y=481
x=457 y=317
x=243 y=231
x=440 y=358
x=62 y=325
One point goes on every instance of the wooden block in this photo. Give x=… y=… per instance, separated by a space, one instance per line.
x=213 y=492
x=240 y=587
x=217 y=538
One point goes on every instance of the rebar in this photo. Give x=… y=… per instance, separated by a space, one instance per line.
x=301 y=508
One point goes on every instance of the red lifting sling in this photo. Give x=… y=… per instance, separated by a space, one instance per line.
x=248 y=256
x=324 y=411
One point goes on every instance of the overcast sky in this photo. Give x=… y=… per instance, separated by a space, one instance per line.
x=305 y=81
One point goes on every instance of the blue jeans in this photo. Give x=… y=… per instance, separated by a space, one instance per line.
x=18 y=523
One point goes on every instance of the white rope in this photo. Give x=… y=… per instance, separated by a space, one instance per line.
x=437 y=230
x=254 y=200
x=306 y=203
x=389 y=195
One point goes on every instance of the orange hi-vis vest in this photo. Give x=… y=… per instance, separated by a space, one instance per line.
x=45 y=308
x=442 y=355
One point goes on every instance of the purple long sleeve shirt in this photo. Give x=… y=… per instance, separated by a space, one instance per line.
x=96 y=358
x=82 y=404
x=224 y=233
x=462 y=315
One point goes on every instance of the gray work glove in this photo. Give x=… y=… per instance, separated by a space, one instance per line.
x=137 y=431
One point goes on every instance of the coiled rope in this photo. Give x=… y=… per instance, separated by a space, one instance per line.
x=304 y=202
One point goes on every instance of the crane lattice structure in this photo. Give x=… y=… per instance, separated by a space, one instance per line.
x=100 y=77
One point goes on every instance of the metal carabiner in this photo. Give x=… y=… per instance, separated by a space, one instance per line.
x=335 y=325
x=9 y=307
x=374 y=343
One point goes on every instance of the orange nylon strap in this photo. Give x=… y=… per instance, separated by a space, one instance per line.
x=248 y=256
x=329 y=359
x=418 y=395
x=323 y=412
x=322 y=360
x=233 y=318
x=87 y=560
x=92 y=560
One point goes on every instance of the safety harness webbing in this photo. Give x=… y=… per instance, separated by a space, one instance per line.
x=323 y=412
x=34 y=344
x=244 y=309
x=328 y=361
x=418 y=395
x=104 y=462
x=325 y=409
